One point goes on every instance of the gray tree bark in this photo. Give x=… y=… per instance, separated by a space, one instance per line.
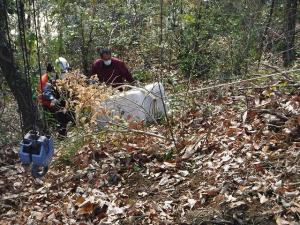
x=290 y=18
x=12 y=75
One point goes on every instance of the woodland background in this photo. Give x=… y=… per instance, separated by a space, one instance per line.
x=230 y=154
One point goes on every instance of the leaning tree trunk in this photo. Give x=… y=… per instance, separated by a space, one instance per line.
x=14 y=78
x=290 y=18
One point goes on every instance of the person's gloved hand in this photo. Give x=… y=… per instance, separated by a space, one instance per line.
x=54 y=102
x=135 y=83
x=138 y=83
x=52 y=80
x=91 y=81
x=64 y=110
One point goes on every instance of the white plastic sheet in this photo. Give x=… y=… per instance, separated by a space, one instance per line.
x=137 y=104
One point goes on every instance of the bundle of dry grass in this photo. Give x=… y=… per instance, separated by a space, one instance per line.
x=83 y=96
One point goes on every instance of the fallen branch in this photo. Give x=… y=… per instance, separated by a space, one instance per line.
x=21 y=195
x=277 y=69
x=272 y=85
x=217 y=222
x=271 y=112
x=274 y=126
x=272 y=67
x=240 y=81
x=135 y=131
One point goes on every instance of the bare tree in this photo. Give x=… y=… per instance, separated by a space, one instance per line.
x=290 y=18
x=16 y=80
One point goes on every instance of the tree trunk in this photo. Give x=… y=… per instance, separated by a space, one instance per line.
x=14 y=78
x=290 y=17
x=264 y=37
x=85 y=46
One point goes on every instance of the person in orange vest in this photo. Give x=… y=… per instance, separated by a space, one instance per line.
x=47 y=95
x=49 y=98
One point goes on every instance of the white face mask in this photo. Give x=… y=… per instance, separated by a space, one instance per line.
x=107 y=62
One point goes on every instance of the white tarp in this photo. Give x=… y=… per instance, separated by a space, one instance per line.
x=137 y=104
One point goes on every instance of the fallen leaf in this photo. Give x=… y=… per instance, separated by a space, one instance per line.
x=164 y=180
x=87 y=208
x=37 y=215
x=142 y=194
x=167 y=204
x=79 y=200
x=237 y=204
x=226 y=158
x=183 y=173
x=262 y=199
x=192 y=202
x=190 y=150
x=280 y=221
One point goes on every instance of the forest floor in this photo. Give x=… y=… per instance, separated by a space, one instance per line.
x=236 y=161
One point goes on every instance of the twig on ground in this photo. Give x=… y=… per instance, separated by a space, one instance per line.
x=268 y=111
x=272 y=85
x=217 y=222
x=240 y=81
x=126 y=129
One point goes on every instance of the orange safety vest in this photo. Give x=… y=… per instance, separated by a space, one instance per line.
x=41 y=100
